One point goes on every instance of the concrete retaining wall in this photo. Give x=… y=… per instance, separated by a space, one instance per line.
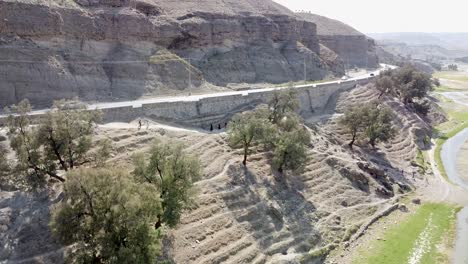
x=217 y=110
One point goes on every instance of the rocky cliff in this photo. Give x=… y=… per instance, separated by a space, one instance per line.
x=120 y=49
x=354 y=48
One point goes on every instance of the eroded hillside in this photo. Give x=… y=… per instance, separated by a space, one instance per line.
x=354 y=48
x=253 y=215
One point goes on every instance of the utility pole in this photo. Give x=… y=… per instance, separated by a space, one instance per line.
x=305 y=70
x=190 y=76
x=367 y=61
x=345 y=62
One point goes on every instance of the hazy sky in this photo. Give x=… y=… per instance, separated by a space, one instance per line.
x=370 y=16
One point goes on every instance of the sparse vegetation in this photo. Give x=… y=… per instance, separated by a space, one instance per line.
x=318 y=253
x=107 y=217
x=350 y=231
x=421 y=162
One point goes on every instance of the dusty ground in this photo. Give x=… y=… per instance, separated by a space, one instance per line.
x=253 y=215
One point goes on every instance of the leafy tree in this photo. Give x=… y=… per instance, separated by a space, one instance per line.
x=353 y=121
x=384 y=84
x=407 y=83
x=62 y=140
x=290 y=144
x=378 y=123
x=281 y=103
x=107 y=217
x=411 y=83
x=371 y=120
x=67 y=135
x=25 y=142
x=278 y=127
x=173 y=173
x=248 y=128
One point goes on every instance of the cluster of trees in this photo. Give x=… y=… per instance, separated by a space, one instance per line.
x=406 y=83
x=109 y=215
x=115 y=216
x=371 y=120
x=277 y=128
x=452 y=67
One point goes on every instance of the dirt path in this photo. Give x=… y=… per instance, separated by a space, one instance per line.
x=150 y=124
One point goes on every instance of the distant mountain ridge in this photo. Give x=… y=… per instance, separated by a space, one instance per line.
x=428 y=47
x=450 y=41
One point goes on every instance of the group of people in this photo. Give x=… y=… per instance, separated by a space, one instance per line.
x=146 y=122
x=219 y=126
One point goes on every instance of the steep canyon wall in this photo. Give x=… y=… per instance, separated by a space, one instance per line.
x=120 y=50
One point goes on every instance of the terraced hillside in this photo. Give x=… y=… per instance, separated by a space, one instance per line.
x=399 y=154
x=254 y=215
x=251 y=215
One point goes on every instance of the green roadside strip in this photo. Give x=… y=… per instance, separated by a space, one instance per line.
x=429 y=230
x=440 y=141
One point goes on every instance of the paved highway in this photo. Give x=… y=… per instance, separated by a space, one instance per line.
x=140 y=102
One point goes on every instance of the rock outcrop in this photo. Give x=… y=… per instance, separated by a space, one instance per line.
x=120 y=49
x=354 y=48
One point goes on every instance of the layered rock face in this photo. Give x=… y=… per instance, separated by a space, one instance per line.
x=120 y=49
x=354 y=48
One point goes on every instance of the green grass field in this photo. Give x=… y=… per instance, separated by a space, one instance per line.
x=442 y=89
x=458 y=121
x=455 y=76
x=399 y=243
